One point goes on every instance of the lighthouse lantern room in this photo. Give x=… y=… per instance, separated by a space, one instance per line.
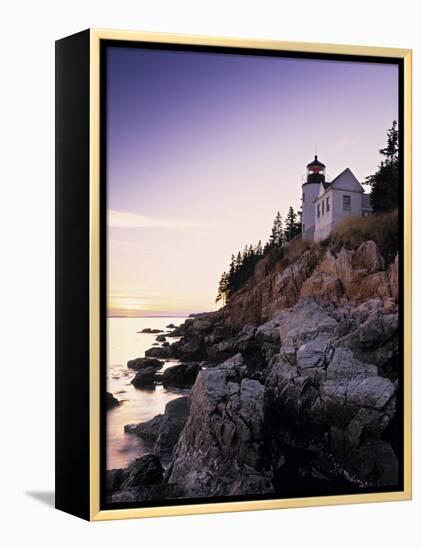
x=315 y=175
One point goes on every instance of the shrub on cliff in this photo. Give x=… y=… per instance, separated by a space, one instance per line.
x=354 y=230
x=288 y=253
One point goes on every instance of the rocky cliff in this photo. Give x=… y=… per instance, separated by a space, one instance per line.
x=348 y=277
x=297 y=387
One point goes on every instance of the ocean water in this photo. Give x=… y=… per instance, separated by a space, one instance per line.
x=124 y=343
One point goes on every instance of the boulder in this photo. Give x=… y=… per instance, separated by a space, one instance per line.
x=149 y=331
x=143 y=362
x=368 y=257
x=148 y=430
x=375 y=340
x=219 y=452
x=244 y=338
x=114 y=479
x=174 y=418
x=145 y=378
x=269 y=331
x=161 y=338
x=312 y=354
x=111 y=401
x=304 y=322
x=159 y=352
x=181 y=376
x=146 y=470
x=163 y=429
x=171 y=325
x=221 y=351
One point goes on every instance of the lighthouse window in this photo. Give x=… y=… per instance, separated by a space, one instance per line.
x=318 y=211
x=328 y=204
x=323 y=204
x=347 y=203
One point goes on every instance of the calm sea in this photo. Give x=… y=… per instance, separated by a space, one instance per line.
x=137 y=405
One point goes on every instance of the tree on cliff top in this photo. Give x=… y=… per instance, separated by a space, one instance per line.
x=277 y=232
x=385 y=182
x=242 y=265
x=293 y=225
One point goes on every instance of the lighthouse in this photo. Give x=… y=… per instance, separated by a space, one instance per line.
x=315 y=176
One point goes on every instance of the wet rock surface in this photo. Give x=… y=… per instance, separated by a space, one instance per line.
x=144 y=362
x=111 y=401
x=181 y=376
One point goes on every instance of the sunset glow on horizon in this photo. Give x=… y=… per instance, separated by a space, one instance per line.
x=203 y=149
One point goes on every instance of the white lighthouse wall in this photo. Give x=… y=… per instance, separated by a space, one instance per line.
x=309 y=194
x=325 y=223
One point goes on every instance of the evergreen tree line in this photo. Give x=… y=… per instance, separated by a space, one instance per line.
x=242 y=265
x=385 y=188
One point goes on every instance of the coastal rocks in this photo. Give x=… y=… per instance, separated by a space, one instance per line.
x=368 y=257
x=149 y=331
x=331 y=396
x=181 y=376
x=172 y=423
x=375 y=340
x=141 y=481
x=269 y=331
x=312 y=354
x=306 y=320
x=148 y=430
x=171 y=326
x=146 y=470
x=289 y=282
x=159 y=352
x=143 y=362
x=220 y=448
x=111 y=401
x=161 y=338
x=114 y=479
x=159 y=491
x=163 y=429
x=189 y=349
x=349 y=275
x=145 y=378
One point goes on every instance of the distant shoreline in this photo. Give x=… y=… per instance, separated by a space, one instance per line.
x=147 y=316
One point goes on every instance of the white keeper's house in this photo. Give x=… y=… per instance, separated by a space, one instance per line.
x=325 y=203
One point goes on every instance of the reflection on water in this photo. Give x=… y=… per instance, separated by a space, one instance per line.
x=136 y=405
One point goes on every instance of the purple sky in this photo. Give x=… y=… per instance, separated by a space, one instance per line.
x=203 y=149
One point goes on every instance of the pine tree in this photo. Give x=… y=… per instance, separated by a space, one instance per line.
x=391 y=151
x=291 y=225
x=238 y=263
x=258 y=249
x=385 y=182
x=222 y=288
x=276 y=236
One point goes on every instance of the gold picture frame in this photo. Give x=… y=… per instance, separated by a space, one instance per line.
x=95 y=513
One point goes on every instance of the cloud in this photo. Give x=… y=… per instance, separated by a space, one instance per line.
x=129 y=220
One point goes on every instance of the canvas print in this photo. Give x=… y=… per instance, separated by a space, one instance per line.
x=253 y=242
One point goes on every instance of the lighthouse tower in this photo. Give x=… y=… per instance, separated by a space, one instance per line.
x=315 y=175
